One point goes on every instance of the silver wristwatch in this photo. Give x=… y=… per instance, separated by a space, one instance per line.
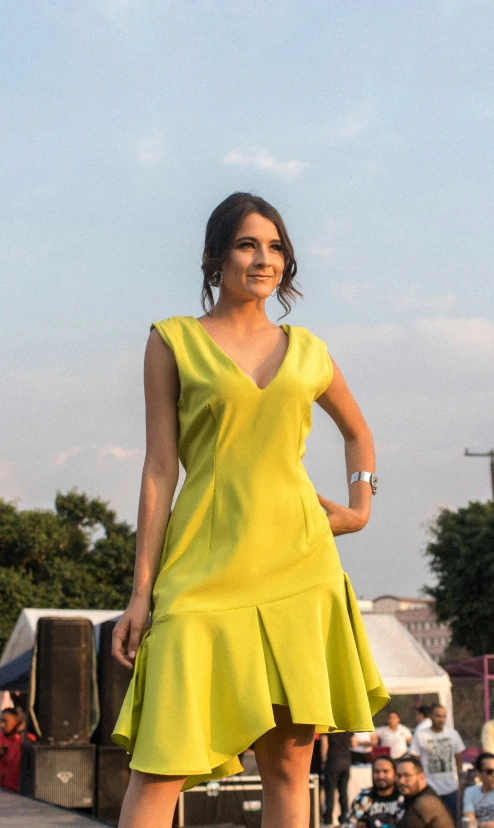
x=367 y=477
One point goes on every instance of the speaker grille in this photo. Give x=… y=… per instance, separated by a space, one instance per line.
x=60 y=775
x=113 y=778
x=63 y=679
x=113 y=681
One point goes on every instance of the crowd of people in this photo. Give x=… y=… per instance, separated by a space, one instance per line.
x=415 y=776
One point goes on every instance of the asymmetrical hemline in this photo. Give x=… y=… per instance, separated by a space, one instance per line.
x=251 y=606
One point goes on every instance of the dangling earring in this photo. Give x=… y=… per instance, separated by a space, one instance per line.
x=216 y=278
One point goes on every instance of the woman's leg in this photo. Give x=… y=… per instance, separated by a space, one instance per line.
x=283 y=757
x=150 y=800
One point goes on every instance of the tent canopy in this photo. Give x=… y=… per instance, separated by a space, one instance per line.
x=404 y=665
x=22 y=636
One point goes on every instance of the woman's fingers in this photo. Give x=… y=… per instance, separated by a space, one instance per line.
x=134 y=639
x=121 y=633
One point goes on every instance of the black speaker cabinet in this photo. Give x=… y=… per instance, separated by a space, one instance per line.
x=63 y=679
x=112 y=778
x=236 y=798
x=61 y=775
x=113 y=681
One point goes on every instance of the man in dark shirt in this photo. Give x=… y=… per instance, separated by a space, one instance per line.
x=337 y=773
x=381 y=805
x=423 y=808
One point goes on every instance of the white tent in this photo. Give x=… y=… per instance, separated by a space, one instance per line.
x=22 y=636
x=405 y=667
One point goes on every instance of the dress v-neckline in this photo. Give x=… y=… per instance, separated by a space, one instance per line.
x=284 y=327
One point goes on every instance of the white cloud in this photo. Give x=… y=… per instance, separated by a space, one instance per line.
x=354 y=124
x=336 y=225
x=471 y=338
x=348 y=291
x=150 y=149
x=325 y=252
x=116 y=451
x=262 y=160
x=62 y=456
x=439 y=303
x=9 y=472
x=374 y=166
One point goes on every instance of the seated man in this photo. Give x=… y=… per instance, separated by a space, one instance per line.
x=478 y=800
x=380 y=805
x=423 y=808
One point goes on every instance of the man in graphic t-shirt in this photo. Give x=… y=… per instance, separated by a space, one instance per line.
x=478 y=800
x=440 y=748
x=380 y=805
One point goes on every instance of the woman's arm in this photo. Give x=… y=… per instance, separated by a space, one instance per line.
x=341 y=406
x=159 y=480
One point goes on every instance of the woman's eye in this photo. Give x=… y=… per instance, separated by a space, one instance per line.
x=246 y=244
x=278 y=248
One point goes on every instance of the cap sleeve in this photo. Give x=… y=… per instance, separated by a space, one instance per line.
x=165 y=329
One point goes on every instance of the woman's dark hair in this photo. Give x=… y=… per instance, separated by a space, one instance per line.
x=223 y=223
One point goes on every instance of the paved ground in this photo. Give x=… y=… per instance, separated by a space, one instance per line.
x=21 y=812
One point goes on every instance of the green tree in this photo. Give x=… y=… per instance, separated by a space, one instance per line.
x=77 y=556
x=461 y=556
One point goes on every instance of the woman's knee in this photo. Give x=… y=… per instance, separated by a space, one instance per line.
x=284 y=753
x=156 y=783
x=289 y=769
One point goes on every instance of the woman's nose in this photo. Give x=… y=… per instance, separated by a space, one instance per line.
x=262 y=255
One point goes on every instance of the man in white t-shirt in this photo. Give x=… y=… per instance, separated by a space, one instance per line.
x=395 y=736
x=422 y=718
x=478 y=800
x=440 y=748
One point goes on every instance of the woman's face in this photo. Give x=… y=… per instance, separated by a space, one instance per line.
x=254 y=265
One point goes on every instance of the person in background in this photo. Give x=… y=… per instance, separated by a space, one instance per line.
x=361 y=753
x=394 y=736
x=440 y=748
x=478 y=800
x=380 y=805
x=487 y=736
x=422 y=718
x=337 y=773
x=10 y=749
x=423 y=808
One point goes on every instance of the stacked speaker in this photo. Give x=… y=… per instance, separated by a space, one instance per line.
x=60 y=767
x=112 y=761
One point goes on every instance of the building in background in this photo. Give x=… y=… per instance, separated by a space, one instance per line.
x=418 y=617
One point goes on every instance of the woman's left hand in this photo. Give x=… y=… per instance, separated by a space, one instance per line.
x=343 y=519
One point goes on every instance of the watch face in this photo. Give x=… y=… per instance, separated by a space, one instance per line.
x=373 y=482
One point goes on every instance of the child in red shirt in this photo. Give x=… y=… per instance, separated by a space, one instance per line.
x=10 y=749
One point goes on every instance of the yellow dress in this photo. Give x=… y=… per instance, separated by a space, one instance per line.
x=251 y=606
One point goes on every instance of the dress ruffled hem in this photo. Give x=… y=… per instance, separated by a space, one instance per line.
x=204 y=682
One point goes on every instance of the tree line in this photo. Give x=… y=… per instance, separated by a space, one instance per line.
x=80 y=556
x=76 y=556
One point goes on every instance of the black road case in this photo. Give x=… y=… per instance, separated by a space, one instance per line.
x=237 y=800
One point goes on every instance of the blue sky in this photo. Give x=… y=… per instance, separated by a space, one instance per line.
x=368 y=124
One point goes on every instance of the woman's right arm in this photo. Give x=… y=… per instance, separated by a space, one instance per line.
x=159 y=481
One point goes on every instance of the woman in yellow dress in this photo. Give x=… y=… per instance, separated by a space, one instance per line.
x=255 y=637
